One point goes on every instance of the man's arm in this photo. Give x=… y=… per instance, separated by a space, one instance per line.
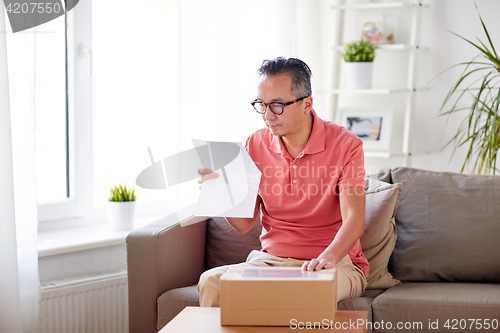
x=243 y=225
x=352 y=208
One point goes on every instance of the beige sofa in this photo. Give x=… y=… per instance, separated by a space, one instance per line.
x=446 y=254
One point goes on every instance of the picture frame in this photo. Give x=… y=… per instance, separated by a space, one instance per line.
x=372 y=125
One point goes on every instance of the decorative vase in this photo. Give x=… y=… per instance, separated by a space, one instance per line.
x=121 y=215
x=359 y=75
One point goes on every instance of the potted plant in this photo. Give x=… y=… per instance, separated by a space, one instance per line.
x=121 y=207
x=480 y=129
x=358 y=57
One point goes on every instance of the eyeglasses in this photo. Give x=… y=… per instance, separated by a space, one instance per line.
x=275 y=107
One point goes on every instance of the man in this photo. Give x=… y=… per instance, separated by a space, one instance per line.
x=311 y=195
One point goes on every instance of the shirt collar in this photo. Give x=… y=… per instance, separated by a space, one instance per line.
x=314 y=145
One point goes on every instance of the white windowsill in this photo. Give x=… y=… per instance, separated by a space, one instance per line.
x=93 y=232
x=65 y=240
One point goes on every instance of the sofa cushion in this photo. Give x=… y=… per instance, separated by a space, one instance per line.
x=426 y=303
x=380 y=230
x=382 y=175
x=448 y=226
x=363 y=303
x=170 y=303
x=226 y=246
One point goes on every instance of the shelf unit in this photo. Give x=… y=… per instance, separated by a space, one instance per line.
x=374 y=5
x=365 y=91
x=412 y=48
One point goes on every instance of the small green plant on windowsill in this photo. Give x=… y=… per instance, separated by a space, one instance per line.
x=359 y=51
x=121 y=207
x=121 y=193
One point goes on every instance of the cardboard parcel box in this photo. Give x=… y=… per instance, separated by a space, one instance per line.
x=273 y=296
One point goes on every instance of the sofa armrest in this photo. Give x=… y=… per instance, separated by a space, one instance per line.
x=161 y=256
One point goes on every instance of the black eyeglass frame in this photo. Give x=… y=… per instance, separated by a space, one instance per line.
x=269 y=104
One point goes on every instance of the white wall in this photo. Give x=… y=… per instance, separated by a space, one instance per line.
x=314 y=33
x=431 y=133
x=461 y=17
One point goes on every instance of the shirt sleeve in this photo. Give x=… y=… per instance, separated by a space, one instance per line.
x=353 y=170
x=247 y=142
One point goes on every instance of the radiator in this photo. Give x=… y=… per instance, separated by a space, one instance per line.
x=93 y=305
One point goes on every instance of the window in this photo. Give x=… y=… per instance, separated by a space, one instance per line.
x=143 y=74
x=63 y=98
x=135 y=94
x=51 y=113
x=104 y=98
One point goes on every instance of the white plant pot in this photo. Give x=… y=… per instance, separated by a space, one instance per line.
x=359 y=75
x=121 y=215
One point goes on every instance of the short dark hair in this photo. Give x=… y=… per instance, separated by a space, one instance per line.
x=296 y=68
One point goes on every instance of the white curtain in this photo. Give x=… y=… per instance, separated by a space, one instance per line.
x=222 y=44
x=19 y=282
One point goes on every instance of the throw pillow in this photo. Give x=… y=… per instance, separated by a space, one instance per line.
x=383 y=175
x=448 y=227
x=226 y=246
x=380 y=231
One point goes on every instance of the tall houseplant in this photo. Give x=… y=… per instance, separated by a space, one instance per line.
x=480 y=130
x=358 y=57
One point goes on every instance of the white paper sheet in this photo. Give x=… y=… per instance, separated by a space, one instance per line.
x=234 y=192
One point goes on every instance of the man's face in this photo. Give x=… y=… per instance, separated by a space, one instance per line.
x=293 y=120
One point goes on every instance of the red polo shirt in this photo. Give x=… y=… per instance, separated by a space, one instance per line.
x=300 y=201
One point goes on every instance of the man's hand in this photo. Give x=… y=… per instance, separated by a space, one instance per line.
x=317 y=264
x=352 y=208
x=206 y=174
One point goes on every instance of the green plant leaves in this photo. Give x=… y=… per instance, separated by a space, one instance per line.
x=121 y=193
x=359 y=51
x=480 y=130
